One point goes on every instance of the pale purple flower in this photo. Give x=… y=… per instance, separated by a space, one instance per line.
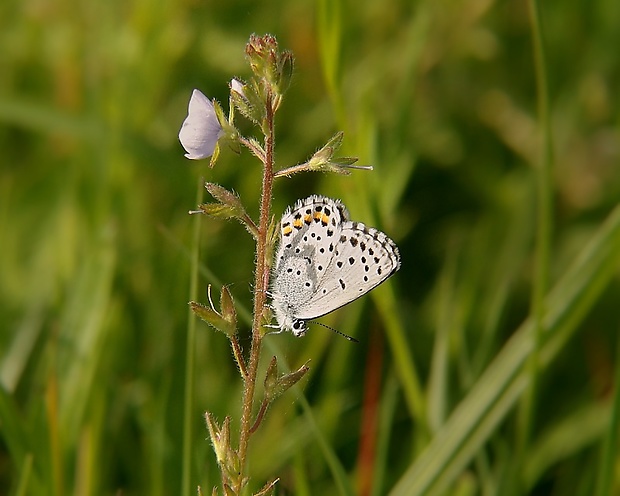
x=201 y=128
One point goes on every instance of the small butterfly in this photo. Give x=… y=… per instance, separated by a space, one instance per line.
x=325 y=261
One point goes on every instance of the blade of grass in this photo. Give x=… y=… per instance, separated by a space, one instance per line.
x=437 y=396
x=84 y=326
x=578 y=429
x=188 y=449
x=205 y=272
x=15 y=358
x=335 y=466
x=14 y=433
x=497 y=390
x=302 y=485
x=605 y=479
x=329 y=28
x=385 y=299
x=527 y=407
x=24 y=477
x=387 y=412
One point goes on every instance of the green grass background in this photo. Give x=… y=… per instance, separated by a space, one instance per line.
x=488 y=365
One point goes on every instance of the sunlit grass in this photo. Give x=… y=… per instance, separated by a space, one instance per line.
x=96 y=248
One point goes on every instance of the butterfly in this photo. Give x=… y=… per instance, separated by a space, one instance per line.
x=324 y=261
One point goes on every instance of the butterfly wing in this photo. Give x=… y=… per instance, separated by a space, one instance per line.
x=309 y=234
x=315 y=221
x=363 y=258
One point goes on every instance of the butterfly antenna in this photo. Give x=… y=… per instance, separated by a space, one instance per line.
x=346 y=336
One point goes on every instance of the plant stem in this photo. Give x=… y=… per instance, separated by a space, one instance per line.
x=605 y=478
x=261 y=284
x=259 y=417
x=188 y=407
x=528 y=406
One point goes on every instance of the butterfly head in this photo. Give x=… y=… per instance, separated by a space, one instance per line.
x=299 y=327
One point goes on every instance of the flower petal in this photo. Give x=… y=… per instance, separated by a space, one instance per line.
x=201 y=129
x=237 y=86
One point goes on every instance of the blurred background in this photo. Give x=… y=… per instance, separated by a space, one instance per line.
x=441 y=98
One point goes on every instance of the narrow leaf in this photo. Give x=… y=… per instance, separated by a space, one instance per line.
x=505 y=379
x=223 y=195
x=277 y=386
x=212 y=318
x=218 y=211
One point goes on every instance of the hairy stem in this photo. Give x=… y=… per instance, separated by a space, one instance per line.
x=261 y=284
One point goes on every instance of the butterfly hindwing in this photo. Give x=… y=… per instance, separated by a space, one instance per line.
x=363 y=259
x=310 y=229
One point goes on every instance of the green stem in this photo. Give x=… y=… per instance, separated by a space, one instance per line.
x=189 y=356
x=261 y=284
x=605 y=479
x=543 y=235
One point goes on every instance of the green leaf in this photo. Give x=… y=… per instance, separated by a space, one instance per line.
x=226 y=197
x=276 y=386
x=218 y=211
x=213 y=318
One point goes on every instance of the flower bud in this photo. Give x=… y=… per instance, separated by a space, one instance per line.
x=227 y=307
x=276 y=386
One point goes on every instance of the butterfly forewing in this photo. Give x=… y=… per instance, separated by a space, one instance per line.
x=310 y=229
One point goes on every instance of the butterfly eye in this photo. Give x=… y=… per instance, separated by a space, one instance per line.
x=299 y=328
